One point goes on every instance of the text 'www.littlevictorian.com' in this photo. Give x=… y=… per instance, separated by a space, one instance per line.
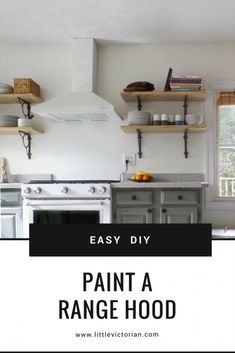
x=116 y=334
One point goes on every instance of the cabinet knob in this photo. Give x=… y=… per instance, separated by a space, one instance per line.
x=134 y=197
x=150 y=210
x=163 y=210
x=180 y=197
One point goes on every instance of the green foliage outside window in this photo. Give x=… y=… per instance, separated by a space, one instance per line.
x=227 y=149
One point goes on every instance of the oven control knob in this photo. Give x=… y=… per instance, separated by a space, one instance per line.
x=37 y=190
x=102 y=189
x=91 y=190
x=64 y=190
x=27 y=190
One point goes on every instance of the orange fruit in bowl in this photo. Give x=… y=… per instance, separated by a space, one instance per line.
x=133 y=177
x=139 y=177
x=146 y=177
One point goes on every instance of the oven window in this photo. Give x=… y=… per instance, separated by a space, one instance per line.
x=62 y=217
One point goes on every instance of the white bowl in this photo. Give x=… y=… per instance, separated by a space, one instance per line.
x=23 y=122
x=8 y=120
x=5 y=88
x=193 y=119
x=139 y=118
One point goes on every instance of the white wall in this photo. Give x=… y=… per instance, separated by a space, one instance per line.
x=93 y=150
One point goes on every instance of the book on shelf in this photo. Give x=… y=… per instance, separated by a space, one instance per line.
x=186 y=76
x=185 y=89
x=168 y=80
x=185 y=83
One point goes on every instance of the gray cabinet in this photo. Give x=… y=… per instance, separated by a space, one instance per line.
x=133 y=206
x=134 y=215
x=157 y=205
x=174 y=214
x=10 y=213
x=179 y=197
x=179 y=206
x=11 y=222
x=134 y=197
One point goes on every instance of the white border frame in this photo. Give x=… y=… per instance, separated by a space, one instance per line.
x=211 y=200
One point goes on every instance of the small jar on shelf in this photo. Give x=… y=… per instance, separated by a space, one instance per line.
x=171 y=119
x=164 y=119
x=179 y=119
x=156 y=119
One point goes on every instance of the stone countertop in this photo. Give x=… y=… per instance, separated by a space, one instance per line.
x=159 y=185
x=10 y=185
x=16 y=181
x=215 y=237
x=223 y=234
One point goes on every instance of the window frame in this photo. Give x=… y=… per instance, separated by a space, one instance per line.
x=218 y=147
x=212 y=175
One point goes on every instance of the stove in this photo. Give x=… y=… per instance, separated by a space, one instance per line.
x=66 y=201
x=67 y=189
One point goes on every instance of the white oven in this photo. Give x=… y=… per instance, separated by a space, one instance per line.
x=65 y=203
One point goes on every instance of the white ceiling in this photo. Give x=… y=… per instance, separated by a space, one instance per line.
x=26 y=22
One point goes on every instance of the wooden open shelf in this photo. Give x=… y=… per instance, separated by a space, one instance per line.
x=25 y=100
x=163 y=128
x=14 y=130
x=11 y=98
x=168 y=96
x=184 y=129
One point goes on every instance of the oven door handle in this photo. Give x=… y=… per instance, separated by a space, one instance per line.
x=36 y=203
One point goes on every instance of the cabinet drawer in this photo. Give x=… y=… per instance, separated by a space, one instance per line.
x=179 y=197
x=10 y=197
x=134 y=197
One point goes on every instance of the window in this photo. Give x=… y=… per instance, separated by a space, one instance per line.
x=220 y=145
x=225 y=144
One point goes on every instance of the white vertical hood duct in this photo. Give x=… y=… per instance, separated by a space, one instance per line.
x=82 y=103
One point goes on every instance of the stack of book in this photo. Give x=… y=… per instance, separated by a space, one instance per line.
x=185 y=83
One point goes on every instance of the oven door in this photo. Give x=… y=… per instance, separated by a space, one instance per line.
x=64 y=211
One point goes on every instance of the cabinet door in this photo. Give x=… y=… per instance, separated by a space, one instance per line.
x=178 y=215
x=8 y=226
x=134 y=215
x=11 y=223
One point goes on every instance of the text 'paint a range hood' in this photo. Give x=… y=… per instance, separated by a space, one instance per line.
x=82 y=103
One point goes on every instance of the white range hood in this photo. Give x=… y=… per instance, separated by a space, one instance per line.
x=82 y=103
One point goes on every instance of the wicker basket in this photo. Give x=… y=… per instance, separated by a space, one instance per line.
x=26 y=85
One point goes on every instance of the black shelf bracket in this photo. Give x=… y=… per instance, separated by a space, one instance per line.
x=185 y=106
x=185 y=137
x=26 y=139
x=139 y=138
x=139 y=105
x=26 y=108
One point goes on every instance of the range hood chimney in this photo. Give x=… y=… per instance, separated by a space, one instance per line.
x=82 y=103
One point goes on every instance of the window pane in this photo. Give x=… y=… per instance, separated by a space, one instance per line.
x=227 y=172
x=227 y=125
